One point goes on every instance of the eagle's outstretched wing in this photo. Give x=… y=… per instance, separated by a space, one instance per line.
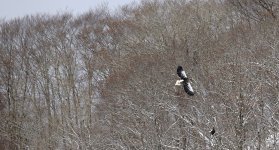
x=181 y=73
x=188 y=88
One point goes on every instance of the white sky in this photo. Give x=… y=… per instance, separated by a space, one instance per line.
x=18 y=8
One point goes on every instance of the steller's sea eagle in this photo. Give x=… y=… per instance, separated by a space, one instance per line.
x=185 y=81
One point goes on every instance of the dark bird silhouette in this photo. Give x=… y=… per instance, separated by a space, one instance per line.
x=212 y=131
x=185 y=81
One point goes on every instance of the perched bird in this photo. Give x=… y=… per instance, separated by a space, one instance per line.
x=212 y=131
x=185 y=81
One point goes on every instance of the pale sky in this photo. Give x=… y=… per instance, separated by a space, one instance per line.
x=10 y=9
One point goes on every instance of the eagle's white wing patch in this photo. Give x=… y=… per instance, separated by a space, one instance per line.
x=183 y=74
x=190 y=87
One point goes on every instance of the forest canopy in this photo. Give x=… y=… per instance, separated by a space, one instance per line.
x=105 y=80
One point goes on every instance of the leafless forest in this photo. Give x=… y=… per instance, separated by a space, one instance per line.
x=105 y=80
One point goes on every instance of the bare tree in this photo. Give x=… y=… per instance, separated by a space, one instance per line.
x=257 y=9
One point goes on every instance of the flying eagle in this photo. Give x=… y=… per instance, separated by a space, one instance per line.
x=185 y=81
